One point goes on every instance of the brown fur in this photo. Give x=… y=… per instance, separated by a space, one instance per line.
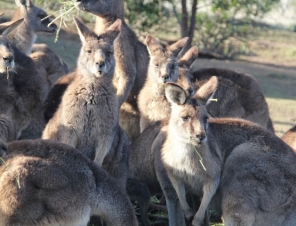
x=290 y=137
x=7 y=133
x=20 y=98
x=163 y=68
x=239 y=95
x=87 y=117
x=50 y=183
x=131 y=57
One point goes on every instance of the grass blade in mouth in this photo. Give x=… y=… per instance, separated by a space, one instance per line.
x=7 y=72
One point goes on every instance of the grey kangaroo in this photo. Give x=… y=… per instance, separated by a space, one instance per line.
x=20 y=97
x=25 y=35
x=163 y=68
x=147 y=164
x=87 y=117
x=49 y=183
x=131 y=57
x=251 y=160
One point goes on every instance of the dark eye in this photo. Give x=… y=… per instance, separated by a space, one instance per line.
x=185 y=118
x=156 y=65
x=88 y=51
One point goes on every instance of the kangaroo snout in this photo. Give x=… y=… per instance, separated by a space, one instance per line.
x=165 y=78
x=8 y=59
x=101 y=66
x=201 y=138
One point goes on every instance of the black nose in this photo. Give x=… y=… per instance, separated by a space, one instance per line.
x=165 y=77
x=53 y=26
x=8 y=59
x=201 y=136
x=101 y=66
x=190 y=91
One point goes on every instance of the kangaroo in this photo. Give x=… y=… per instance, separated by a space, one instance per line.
x=25 y=35
x=252 y=161
x=163 y=68
x=131 y=58
x=290 y=137
x=238 y=95
x=87 y=117
x=146 y=163
x=51 y=183
x=19 y=84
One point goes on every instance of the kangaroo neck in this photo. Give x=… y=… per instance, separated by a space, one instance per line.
x=23 y=36
x=103 y=23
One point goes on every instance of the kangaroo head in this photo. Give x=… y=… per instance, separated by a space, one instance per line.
x=188 y=121
x=185 y=75
x=97 y=52
x=6 y=51
x=163 y=65
x=102 y=8
x=34 y=16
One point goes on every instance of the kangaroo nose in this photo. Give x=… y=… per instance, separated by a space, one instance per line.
x=165 y=77
x=190 y=91
x=101 y=66
x=8 y=59
x=201 y=137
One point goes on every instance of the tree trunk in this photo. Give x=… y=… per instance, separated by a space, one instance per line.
x=189 y=33
x=184 y=21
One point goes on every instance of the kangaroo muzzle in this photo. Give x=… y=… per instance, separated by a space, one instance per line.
x=101 y=67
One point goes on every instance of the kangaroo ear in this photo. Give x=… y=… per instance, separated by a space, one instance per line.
x=189 y=57
x=178 y=46
x=83 y=30
x=175 y=94
x=206 y=92
x=24 y=3
x=6 y=28
x=152 y=44
x=114 y=30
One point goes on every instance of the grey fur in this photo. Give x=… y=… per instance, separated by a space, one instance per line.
x=50 y=183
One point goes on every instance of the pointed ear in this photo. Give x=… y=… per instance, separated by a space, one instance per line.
x=178 y=46
x=114 y=30
x=83 y=30
x=175 y=94
x=24 y=3
x=152 y=44
x=206 y=92
x=6 y=28
x=189 y=57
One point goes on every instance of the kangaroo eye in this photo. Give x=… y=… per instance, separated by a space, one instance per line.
x=88 y=51
x=156 y=65
x=185 y=118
